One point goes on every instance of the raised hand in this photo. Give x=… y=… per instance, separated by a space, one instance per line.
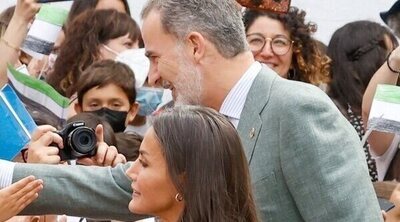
x=26 y=10
x=15 y=34
x=17 y=196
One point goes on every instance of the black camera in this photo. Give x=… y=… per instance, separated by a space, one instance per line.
x=79 y=141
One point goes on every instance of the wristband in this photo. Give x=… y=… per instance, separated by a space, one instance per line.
x=7 y=43
x=388 y=65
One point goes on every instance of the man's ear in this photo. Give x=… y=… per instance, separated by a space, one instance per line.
x=133 y=111
x=197 y=45
x=78 y=108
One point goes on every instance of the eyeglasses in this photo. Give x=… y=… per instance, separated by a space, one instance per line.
x=280 y=45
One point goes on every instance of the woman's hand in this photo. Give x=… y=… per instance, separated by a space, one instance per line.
x=41 y=148
x=26 y=10
x=15 y=34
x=17 y=196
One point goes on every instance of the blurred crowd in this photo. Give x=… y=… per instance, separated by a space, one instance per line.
x=209 y=112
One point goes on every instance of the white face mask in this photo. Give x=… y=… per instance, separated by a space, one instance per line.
x=48 y=67
x=136 y=60
x=51 y=60
x=23 y=69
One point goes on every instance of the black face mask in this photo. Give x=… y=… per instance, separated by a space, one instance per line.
x=115 y=118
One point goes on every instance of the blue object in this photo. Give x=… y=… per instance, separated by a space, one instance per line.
x=148 y=98
x=16 y=124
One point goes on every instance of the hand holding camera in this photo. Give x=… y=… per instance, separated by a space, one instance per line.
x=75 y=141
x=40 y=150
x=51 y=146
x=78 y=141
x=106 y=155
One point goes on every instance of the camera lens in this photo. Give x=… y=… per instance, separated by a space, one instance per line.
x=82 y=140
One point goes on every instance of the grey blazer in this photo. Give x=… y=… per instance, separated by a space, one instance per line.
x=305 y=159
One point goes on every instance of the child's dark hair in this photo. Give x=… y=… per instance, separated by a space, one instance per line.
x=92 y=120
x=128 y=144
x=106 y=72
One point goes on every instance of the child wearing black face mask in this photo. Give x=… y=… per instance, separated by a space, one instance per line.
x=107 y=89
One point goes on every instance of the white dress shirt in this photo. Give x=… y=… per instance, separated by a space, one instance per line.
x=233 y=104
x=6 y=173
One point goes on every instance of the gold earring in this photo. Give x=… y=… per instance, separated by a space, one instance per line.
x=178 y=197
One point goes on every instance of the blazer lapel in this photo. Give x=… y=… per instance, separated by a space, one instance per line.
x=250 y=122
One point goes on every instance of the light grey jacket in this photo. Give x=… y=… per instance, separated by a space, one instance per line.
x=305 y=159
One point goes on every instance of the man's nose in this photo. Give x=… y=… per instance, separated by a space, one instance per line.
x=154 y=78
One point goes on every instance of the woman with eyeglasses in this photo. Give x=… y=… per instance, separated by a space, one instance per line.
x=284 y=43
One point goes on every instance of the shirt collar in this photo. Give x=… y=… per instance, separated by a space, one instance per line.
x=233 y=104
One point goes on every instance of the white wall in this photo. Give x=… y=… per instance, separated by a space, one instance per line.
x=332 y=14
x=328 y=14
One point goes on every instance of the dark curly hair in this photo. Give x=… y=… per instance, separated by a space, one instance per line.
x=310 y=63
x=81 y=46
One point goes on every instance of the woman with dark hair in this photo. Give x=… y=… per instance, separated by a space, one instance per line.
x=192 y=167
x=80 y=6
x=284 y=43
x=88 y=39
x=357 y=51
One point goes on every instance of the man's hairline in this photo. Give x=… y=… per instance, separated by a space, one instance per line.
x=159 y=11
